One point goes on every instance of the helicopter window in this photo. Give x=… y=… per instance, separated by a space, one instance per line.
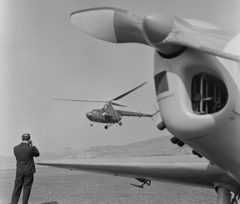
x=161 y=83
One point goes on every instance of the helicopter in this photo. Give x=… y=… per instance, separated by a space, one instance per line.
x=108 y=114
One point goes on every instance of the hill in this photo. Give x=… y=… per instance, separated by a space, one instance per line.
x=160 y=146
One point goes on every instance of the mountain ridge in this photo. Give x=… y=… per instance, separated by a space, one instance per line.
x=159 y=146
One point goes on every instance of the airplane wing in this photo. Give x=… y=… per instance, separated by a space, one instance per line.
x=163 y=31
x=129 y=113
x=188 y=170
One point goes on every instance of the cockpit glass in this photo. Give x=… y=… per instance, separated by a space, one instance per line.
x=161 y=82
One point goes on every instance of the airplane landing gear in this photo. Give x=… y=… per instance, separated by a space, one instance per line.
x=120 y=123
x=106 y=127
x=223 y=195
x=91 y=124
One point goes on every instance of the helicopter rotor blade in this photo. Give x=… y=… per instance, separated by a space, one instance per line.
x=62 y=99
x=121 y=96
x=116 y=104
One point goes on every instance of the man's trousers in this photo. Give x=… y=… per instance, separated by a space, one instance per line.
x=24 y=181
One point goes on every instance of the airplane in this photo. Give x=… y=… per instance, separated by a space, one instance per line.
x=108 y=114
x=196 y=75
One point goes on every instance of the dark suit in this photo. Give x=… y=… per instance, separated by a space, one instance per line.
x=24 y=154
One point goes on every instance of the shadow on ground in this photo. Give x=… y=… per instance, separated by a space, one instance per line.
x=51 y=202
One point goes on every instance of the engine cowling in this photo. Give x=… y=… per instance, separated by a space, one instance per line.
x=198 y=97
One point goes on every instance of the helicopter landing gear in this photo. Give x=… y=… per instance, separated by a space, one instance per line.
x=119 y=123
x=108 y=125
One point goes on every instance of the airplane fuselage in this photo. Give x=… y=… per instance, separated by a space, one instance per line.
x=199 y=100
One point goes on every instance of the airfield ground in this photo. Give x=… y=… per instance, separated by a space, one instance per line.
x=59 y=186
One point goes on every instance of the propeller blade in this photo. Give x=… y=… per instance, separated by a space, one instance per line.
x=121 y=96
x=116 y=104
x=79 y=100
x=163 y=31
x=110 y=24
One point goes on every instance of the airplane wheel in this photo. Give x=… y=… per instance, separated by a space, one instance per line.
x=91 y=125
x=120 y=123
x=106 y=127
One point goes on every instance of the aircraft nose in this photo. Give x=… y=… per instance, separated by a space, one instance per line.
x=89 y=115
x=157 y=26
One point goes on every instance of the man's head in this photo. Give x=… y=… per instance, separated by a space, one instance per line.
x=26 y=137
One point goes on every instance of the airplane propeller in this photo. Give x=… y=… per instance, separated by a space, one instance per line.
x=165 y=32
x=111 y=101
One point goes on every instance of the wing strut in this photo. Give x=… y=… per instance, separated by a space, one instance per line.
x=144 y=181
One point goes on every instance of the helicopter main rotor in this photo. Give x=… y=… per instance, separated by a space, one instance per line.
x=111 y=101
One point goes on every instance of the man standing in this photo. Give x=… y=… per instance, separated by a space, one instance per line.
x=24 y=153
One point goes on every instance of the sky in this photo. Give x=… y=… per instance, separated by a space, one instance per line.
x=43 y=56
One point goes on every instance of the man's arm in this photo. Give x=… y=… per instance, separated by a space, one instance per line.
x=35 y=152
